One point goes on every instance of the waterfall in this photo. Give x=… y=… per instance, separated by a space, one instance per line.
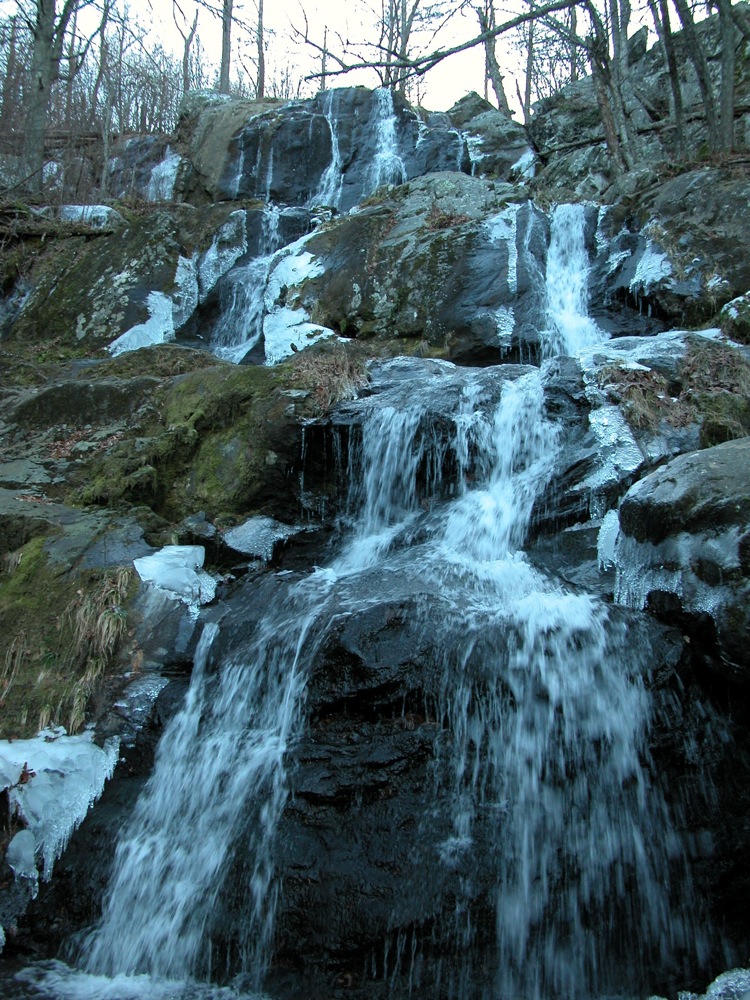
x=329 y=191
x=569 y=327
x=388 y=166
x=541 y=772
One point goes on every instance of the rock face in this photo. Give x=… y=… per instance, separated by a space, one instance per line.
x=466 y=622
x=333 y=150
x=686 y=535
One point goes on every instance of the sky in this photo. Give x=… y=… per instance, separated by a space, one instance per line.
x=438 y=90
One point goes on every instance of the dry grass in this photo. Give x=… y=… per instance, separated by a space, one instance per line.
x=96 y=619
x=714 y=392
x=644 y=397
x=330 y=377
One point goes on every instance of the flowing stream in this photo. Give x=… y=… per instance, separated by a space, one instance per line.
x=541 y=764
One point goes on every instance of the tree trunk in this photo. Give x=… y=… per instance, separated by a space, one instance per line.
x=188 y=41
x=10 y=90
x=726 y=104
x=529 y=75
x=43 y=73
x=226 y=46
x=663 y=27
x=486 y=18
x=259 y=39
x=700 y=63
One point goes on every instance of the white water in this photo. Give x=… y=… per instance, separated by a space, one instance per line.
x=569 y=327
x=329 y=192
x=388 y=166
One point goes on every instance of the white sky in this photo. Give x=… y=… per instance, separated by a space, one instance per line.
x=438 y=90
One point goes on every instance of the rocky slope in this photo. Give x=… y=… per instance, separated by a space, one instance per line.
x=119 y=438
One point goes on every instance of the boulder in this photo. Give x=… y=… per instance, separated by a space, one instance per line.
x=686 y=536
x=449 y=260
x=498 y=146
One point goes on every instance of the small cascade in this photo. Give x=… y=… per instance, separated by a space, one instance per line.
x=219 y=786
x=569 y=327
x=541 y=779
x=387 y=166
x=329 y=192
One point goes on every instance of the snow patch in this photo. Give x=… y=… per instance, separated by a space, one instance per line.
x=286 y=330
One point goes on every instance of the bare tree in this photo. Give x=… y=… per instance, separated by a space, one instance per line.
x=226 y=45
x=187 y=40
x=49 y=30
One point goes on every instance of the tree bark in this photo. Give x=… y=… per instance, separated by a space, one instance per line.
x=226 y=46
x=259 y=40
x=663 y=28
x=699 y=61
x=486 y=17
x=726 y=102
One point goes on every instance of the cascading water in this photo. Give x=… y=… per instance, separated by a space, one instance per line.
x=387 y=165
x=242 y=306
x=569 y=327
x=329 y=191
x=540 y=762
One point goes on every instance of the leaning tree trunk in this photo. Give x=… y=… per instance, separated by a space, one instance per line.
x=663 y=27
x=486 y=16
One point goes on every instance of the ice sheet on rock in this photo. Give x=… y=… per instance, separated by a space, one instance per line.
x=525 y=166
x=643 y=568
x=136 y=701
x=178 y=570
x=158 y=328
x=503 y=228
x=69 y=775
x=619 y=454
x=163 y=177
x=605 y=546
x=230 y=243
x=291 y=266
x=186 y=295
x=258 y=536
x=286 y=330
x=20 y=854
x=96 y=216
x=652 y=267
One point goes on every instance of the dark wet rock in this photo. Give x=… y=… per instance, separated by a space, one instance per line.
x=498 y=146
x=281 y=152
x=685 y=530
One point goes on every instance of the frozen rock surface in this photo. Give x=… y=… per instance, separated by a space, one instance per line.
x=53 y=779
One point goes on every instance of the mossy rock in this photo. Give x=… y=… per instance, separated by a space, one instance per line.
x=219 y=439
x=735 y=319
